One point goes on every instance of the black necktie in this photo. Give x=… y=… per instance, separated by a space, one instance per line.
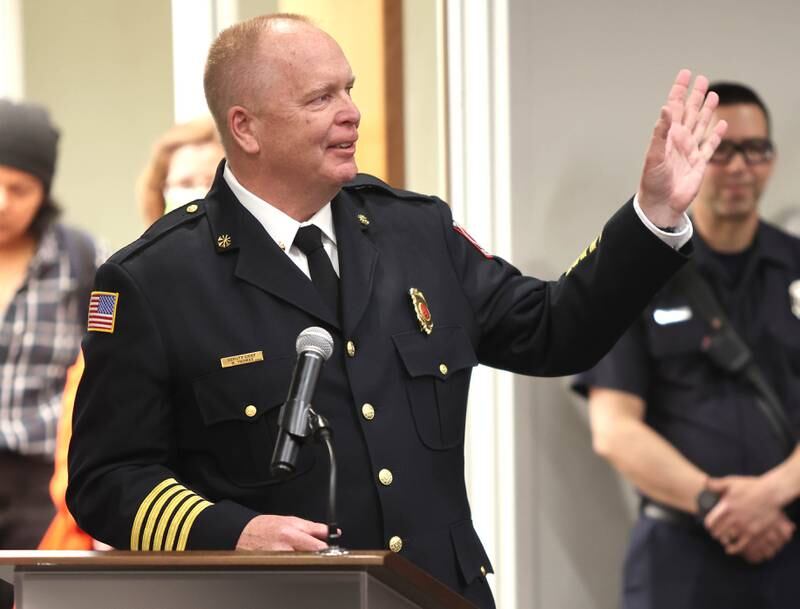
x=309 y=241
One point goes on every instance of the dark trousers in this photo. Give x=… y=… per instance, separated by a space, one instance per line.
x=671 y=566
x=25 y=506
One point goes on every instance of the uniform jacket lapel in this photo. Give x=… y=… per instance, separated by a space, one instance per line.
x=357 y=259
x=260 y=261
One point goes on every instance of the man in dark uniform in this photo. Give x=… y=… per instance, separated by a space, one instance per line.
x=192 y=331
x=690 y=435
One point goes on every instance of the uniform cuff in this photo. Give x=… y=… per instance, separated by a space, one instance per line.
x=219 y=526
x=676 y=238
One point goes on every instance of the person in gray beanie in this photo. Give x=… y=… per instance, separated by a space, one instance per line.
x=46 y=272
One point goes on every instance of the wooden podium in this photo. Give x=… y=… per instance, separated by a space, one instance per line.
x=229 y=580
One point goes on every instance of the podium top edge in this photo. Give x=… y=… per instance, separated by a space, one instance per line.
x=188 y=560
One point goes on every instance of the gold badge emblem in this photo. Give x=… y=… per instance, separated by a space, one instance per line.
x=794 y=295
x=421 y=310
x=224 y=241
x=363 y=219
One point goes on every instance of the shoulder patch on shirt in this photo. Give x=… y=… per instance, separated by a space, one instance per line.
x=102 y=312
x=463 y=232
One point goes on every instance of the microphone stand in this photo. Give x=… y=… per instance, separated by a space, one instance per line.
x=322 y=432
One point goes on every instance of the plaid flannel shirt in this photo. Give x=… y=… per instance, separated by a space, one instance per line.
x=40 y=338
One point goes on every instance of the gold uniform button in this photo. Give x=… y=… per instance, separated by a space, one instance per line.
x=368 y=412
x=395 y=544
x=483 y=570
x=251 y=410
x=351 y=348
x=443 y=369
x=385 y=476
x=191 y=208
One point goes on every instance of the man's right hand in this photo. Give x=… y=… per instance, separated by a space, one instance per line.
x=283 y=534
x=766 y=545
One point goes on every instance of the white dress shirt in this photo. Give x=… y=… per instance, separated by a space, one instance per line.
x=283 y=228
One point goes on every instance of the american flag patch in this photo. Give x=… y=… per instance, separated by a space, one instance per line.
x=102 y=311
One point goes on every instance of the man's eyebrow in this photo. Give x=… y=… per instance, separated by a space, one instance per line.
x=327 y=88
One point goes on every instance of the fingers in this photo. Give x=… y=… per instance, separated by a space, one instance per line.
x=711 y=142
x=718 y=485
x=716 y=521
x=283 y=533
x=677 y=94
x=695 y=101
x=315 y=529
x=704 y=115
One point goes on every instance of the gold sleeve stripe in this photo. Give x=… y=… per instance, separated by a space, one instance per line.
x=155 y=515
x=165 y=517
x=592 y=246
x=143 y=508
x=187 y=525
x=169 y=544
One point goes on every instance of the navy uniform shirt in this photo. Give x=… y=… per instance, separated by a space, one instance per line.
x=709 y=415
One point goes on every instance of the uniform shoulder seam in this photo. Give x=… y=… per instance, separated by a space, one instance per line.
x=160 y=228
x=365 y=181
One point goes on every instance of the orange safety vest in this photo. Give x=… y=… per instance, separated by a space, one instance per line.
x=63 y=532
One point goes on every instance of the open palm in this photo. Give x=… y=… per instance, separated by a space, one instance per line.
x=679 y=150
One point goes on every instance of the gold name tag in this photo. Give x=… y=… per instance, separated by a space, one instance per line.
x=244 y=358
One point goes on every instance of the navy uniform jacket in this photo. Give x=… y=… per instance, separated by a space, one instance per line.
x=171 y=450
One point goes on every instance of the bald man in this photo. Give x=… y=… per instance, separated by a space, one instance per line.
x=192 y=345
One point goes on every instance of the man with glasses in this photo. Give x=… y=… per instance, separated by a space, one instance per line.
x=719 y=490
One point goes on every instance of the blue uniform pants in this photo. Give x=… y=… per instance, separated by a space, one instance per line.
x=670 y=566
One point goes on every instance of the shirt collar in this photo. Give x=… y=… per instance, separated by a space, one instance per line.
x=280 y=226
x=767 y=245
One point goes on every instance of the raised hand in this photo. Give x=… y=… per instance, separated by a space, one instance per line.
x=679 y=150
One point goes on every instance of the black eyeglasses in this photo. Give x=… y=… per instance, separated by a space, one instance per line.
x=754 y=151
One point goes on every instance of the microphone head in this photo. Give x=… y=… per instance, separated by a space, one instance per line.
x=315 y=339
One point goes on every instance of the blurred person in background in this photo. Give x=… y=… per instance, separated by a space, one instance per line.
x=180 y=169
x=46 y=274
x=678 y=410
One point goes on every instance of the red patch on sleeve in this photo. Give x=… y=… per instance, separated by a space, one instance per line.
x=463 y=232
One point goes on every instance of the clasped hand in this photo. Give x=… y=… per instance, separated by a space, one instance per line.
x=748 y=520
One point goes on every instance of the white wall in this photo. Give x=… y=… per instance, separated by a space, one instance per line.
x=104 y=68
x=587 y=80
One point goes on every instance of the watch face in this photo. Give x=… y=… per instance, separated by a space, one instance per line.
x=706 y=501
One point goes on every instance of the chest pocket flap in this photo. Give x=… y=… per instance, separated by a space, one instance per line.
x=439 y=366
x=240 y=407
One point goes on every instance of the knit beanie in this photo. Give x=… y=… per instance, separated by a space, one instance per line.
x=28 y=140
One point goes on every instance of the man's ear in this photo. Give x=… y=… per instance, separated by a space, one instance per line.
x=242 y=127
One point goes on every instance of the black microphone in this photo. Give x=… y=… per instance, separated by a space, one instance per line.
x=314 y=346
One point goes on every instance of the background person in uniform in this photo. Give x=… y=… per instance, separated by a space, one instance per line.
x=189 y=361
x=180 y=169
x=674 y=424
